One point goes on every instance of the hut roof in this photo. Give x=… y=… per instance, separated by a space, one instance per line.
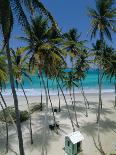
x=75 y=137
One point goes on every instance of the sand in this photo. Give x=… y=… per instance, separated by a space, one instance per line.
x=55 y=143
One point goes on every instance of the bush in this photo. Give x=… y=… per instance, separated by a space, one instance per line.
x=23 y=115
x=35 y=107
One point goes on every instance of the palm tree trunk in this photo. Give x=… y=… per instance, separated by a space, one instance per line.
x=100 y=100
x=82 y=91
x=115 y=92
x=31 y=133
x=44 y=149
x=59 y=98
x=75 y=107
x=100 y=83
x=41 y=92
x=66 y=105
x=5 y=117
x=52 y=107
x=87 y=103
x=21 y=148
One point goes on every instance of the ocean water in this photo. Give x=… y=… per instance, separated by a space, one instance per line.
x=90 y=85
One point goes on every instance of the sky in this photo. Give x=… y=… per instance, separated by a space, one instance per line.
x=68 y=14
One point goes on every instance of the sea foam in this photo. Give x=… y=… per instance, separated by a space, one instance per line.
x=37 y=92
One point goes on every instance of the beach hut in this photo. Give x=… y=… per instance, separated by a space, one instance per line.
x=73 y=143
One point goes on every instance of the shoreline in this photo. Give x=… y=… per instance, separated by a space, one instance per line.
x=37 y=92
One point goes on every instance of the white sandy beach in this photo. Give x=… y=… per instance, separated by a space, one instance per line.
x=88 y=126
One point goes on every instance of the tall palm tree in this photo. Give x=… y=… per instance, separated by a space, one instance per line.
x=80 y=70
x=8 y=10
x=72 y=43
x=44 y=52
x=69 y=83
x=3 y=79
x=20 y=69
x=3 y=70
x=73 y=46
x=109 y=65
x=103 y=22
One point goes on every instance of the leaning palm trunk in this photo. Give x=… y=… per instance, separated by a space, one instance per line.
x=84 y=95
x=31 y=133
x=115 y=92
x=100 y=99
x=21 y=149
x=100 y=87
x=51 y=106
x=5 y=118
x=66 y=105
x=99 y=83
x=59 y=99
x=41 y=92
x=82 y=92
x=77 y=124
x=8 y=112
x=44 y=149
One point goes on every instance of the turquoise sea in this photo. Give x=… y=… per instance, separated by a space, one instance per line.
x=90 y=85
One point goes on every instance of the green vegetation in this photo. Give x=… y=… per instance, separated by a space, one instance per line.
x=23 y=115
x=35 y=107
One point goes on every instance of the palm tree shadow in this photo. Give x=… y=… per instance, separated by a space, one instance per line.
x=103 y=111
x=64 y=113
x=105 y=126
x=94 y=104
x=89 y=129
x=99 y=146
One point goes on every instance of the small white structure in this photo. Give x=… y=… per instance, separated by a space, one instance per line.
x=73 y=143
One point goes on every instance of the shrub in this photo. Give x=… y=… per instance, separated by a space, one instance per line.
x=23 y=115
x=35 y=107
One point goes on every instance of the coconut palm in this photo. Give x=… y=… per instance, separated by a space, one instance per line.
x=20 y=68
x=44 y=52
x=103 y=22
x=3 y=78
x=10 y=10
x=109 y=65
x=3 y=70
x=73 y=46
x=69 y=83
x=80 y=71
x=5 y=118
x=108 y=59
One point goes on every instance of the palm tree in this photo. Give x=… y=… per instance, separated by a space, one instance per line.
x=5 y=118
x=102 y=21
x=73 y=46
x=8 y=10
x=69 y=83
x=44 y=52
x=20 y=68
x=80 y=70
x=3 y=78
x=3 y=70
x=109 y=65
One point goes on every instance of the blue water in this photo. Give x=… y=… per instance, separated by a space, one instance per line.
x=90 y=85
